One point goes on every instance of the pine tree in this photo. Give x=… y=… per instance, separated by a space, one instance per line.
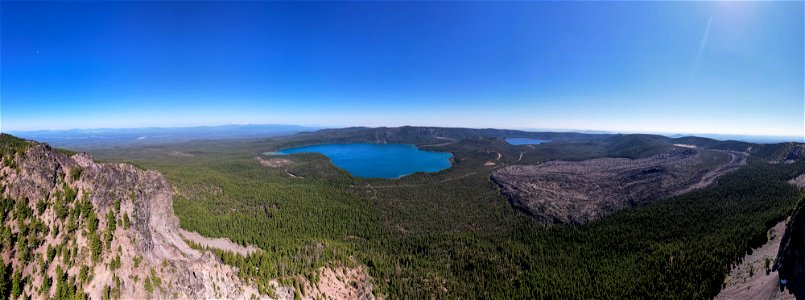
x=95 y=243
x=3 y=279
x=16 y=285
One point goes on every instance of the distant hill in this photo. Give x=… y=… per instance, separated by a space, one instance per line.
x=432 y=135
x=609 y=145
x=758 y=139
x=114 y=137
x=637 y=145
x=612 y=145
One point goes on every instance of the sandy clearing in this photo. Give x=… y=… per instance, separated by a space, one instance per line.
x=274 y=162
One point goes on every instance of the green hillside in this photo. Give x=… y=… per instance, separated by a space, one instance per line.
x=451 y=233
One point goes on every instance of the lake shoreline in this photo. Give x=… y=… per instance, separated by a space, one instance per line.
x=386 y=161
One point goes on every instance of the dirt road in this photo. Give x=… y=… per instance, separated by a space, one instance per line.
x=737 y=159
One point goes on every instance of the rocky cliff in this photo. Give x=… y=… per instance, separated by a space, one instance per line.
x=790 y=262
x=75 y=228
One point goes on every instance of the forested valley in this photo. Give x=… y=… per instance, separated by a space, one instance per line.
x=452 y=234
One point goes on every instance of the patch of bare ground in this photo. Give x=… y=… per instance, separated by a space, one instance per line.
x=799 y=181
x=338 y=282
x=277 y=162
x=577 y=192
x=180 y=154
x=451 y=141
x=219 y=243
x=750 y=279
x=274 y=162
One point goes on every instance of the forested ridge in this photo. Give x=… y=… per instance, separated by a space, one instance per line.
x=452 y=234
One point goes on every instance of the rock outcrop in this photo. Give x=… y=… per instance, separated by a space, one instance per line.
x=790 y=262
x=109 y=229
x=73 y=228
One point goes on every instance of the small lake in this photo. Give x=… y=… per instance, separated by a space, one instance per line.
x=379 y=160
x=525 y=141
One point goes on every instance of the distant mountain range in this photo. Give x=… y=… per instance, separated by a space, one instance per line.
x=112 y=137
x=759 y=139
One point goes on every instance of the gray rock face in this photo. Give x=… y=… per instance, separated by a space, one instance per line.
x=71 y=202
x=39 y=170
x=790 y=262
x=152 y=238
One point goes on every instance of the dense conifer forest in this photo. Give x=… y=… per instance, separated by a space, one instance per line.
x=452 y=234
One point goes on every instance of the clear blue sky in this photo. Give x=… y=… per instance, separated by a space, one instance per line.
x=692 y=67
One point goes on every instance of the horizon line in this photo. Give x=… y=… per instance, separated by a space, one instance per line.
x=318 y=126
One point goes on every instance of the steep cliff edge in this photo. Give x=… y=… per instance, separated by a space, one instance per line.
x=790 y=262
x=73 y=227
x=752 y=277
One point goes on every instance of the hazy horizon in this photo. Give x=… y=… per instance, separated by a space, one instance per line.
x=732 y=68
x=320 y=126
x=313 y=127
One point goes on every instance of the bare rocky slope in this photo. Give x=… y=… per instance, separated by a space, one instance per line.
x=753 y=277
x=76 y=228
x=577 y=192
x=790 y=262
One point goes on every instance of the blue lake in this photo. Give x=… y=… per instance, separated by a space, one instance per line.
x=379 y=160
x=525 y=141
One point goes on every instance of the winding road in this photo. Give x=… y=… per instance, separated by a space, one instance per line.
x=737 y=160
